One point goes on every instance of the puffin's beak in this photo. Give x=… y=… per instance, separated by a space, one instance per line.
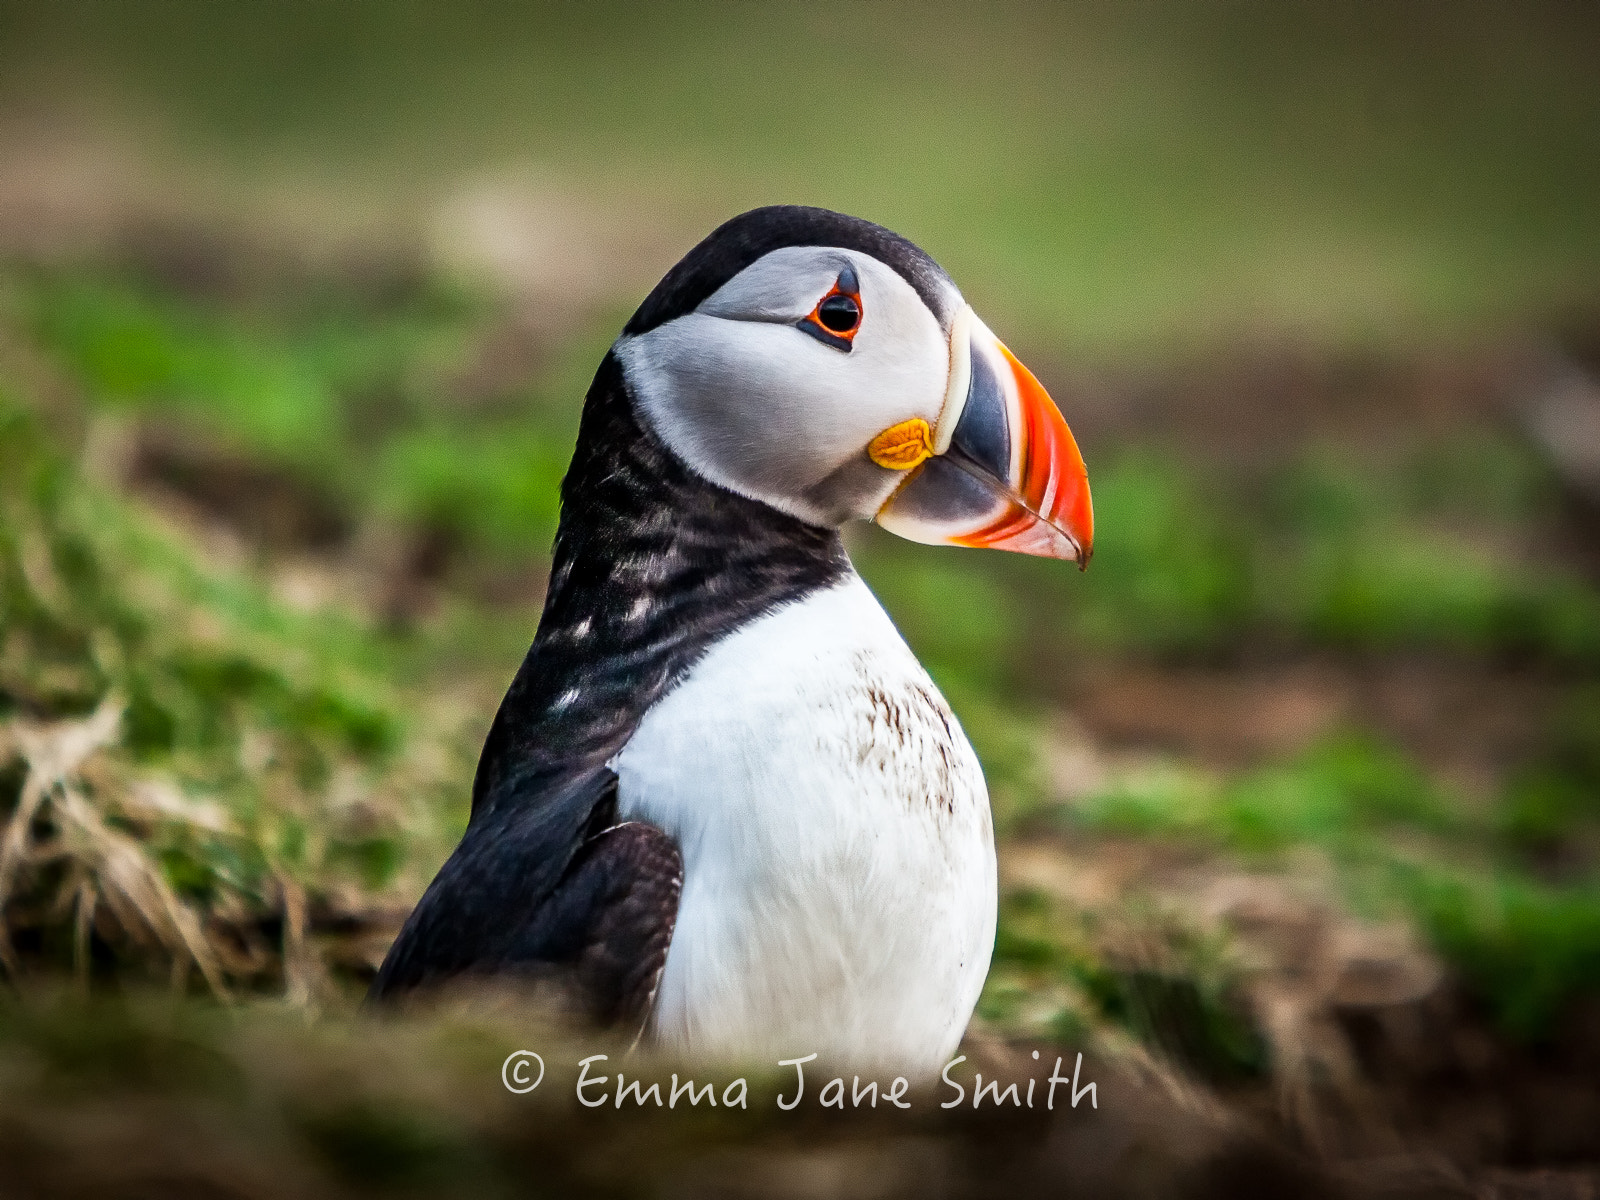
x=1002 y=468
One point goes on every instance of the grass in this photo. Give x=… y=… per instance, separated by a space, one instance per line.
x=190 y=761
x=345 y=397
x=1069 y=974
x=1527 y=945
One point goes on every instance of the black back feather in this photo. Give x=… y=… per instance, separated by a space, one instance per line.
x=652 y=564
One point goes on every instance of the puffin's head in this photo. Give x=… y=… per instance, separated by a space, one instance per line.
x=829 y=368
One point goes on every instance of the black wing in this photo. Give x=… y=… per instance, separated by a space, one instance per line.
x=556 y=890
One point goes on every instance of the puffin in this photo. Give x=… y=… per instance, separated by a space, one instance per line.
x=722 y=804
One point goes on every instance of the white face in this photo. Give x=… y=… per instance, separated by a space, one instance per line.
x=752 y=401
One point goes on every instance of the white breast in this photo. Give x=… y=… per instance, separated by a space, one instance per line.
x=839 y=871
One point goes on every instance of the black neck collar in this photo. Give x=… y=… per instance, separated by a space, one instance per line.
x=652 y=564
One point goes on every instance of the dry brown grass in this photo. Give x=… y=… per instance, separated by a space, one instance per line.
x=102 y=875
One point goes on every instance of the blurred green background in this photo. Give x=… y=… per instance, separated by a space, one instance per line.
x=298 y=303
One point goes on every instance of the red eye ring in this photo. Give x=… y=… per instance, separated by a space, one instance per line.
x=836 y=319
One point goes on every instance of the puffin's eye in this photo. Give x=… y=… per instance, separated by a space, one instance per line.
x=837 y=316
x=839 y=313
